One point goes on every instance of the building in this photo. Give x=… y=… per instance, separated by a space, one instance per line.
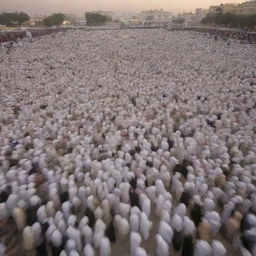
x=156 y=16
x=214 y=9
x=247 y=8
x=228 y=8
x=188 y=18
x=35 y=21
x=70 y=17
x=129 y=20
x=80 y=22
x=200 y=14
x=193 y=19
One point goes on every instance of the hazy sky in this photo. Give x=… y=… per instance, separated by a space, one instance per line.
x=80 y=6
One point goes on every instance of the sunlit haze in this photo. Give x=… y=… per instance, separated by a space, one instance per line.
x=119 y=6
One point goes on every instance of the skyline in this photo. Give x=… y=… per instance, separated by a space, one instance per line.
x=33 y=7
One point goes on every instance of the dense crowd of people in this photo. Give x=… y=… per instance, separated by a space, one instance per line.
x=243 y=36
x=128 y=142
x=13 y=36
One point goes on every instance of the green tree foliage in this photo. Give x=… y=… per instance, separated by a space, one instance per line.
x=231 y=20
x=95 y=19
x=55 y=19
x=13 y=18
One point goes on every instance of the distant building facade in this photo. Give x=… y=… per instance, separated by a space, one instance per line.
x=35 y=20
x=223 y=8
x=228 y=8
x=247 y=8
x=155 y=16
x=200 y=14
x=189 y=18
x=80 y=22
x=214 y=9
x=129 y=20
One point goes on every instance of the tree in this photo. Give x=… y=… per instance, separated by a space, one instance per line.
x=231 y=20
x=55 y=19
x=13 y=18
x=23 y=17
x=94 y=18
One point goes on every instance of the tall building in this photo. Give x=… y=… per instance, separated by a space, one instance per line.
x=247 y=8
x=223 y=8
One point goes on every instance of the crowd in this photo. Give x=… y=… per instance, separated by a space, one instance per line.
x=13 y=36
x=243 y=36
x=128 y=142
